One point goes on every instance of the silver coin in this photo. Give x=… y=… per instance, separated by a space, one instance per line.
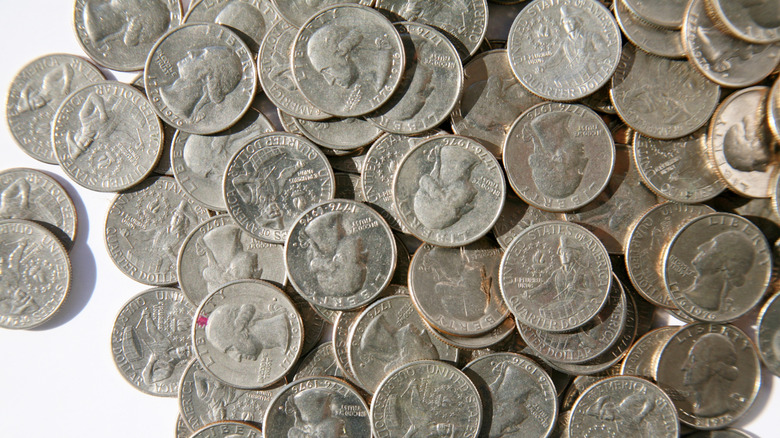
x=756 y=22
x=431 y=84
x=217 y=252
x=119 y=35
x=348 y=187
x=660 y=97
x=456 y=289
x=516 y=217
x=678 y=170
x=642 y=359
x=320 y=362
x=723 y=59
x=199 y=161
x=347 y=60
x=204 y=400
x=600 y=101
x=164 y=164
x=464 y=22
x=352 y=163
x=495 y=338
x=182 y=431
x=313 y=322
x=106 y=136
x=35 y=94
x=247 y=334
x=712 y=373
x=339 y=134
x=646 y=36
x=340 y=254
x=317 y=407
x=579 y=384
x=558 y=156
x=297 y=12
x=449 y=191
x=647 y=243
x=773 y=109
x=250 y=19
x=200 y=78
x=145 y=228
x=151 y=341
x=275 y=73
x=555 y=295
x=401 y=275
x=228 y=429
x=35 y=274
x=272 y=180
x=341 y=328
x=663 y=13
x=624 y=406
x=426 y=399
x=33 y=195
x=492 y=99
x=768 y=334
x=518 y=397
x=717 y=267
x=387 y=335
x=564 y=51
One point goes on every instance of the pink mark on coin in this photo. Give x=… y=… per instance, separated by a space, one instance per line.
x=202 y=321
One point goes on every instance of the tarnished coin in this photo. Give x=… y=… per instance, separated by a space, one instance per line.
x=660 y=97
x=494 y=338
x=106 y=136
x=35 y=274
x=228 y=429
x=564 y=51
x=678 y=170
x=757 y=21
x=449 y=191
x=151 y=340
x=717 y=267
x=768 y=338
x=558 y=156
x=297 y=12
x=741 y=145
x=218 y=252
x=663 y=13
x=339 y=134
x=275 y=73
x=648 y=37
x=773 y=109
x=722 y=58
x=32 y=195
x=200 y=78
x=250 y=19
x=204 y=400
x=516 y=217
x=642 y=359
x=431 y=84
x=647 y=244
x=464 y=22
x=624 y=406
x=340 y=254
x=712 y=373
x=272 y=180
x=119 y=35
x=145 y=228
x=518 y=397
x=347 y=60
x=427 y=399
x=555 y=276
x=317 y=407
x=387 y=335
x=320 y=362
x=247 y=334
x=456 y=289
x=35 y=94
x=199 y=161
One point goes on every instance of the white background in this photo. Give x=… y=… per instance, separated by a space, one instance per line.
x=60 y=380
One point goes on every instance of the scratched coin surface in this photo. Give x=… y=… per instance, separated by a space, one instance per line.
x=297 y=12
x=317 y=407
x=228 y=429
x=717 y=267
x=217 y=252
x=33 y=195
x=200 y=78
x=757 y=22
x=449 y=191
x=517 y=216
x=768 y=338
x=347 y=60
x=456 y=289
x=106 y=136
x=564 y=51
x=712 y=373
x=151 y=340
x=35 y=94
x=247 y=334
x=36 y=274
x=272 y=180
x=340 y=254
x=555 y=276
x=250 y=19
x=662 y=13
x=648 y=37
x=518 y=397
x=624 y=406
x=642 y=359
x=426 y=398
x=119 y=35
x=146 y=226
x=559 y=156
x=340 y=135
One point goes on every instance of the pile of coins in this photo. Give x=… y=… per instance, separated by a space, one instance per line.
x=456 y=306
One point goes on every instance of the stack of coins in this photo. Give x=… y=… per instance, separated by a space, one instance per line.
x=483 y=234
